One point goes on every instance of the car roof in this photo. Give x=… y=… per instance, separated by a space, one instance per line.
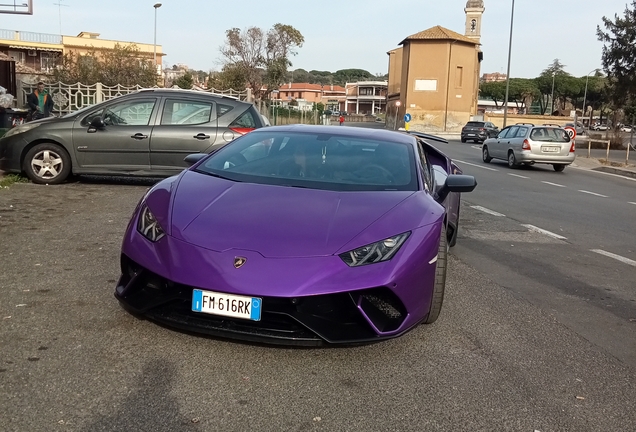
x=350 y=132
x=172 y=92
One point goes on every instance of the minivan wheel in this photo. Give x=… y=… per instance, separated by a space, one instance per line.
x=47 y=163
x=512 y=160
x=485 y=155
x=558 y=167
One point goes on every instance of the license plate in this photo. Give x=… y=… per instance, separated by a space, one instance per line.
x=551 y=149
x=471 y=134
x=228 y=305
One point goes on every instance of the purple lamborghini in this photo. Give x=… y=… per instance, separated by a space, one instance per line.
x=297 y=235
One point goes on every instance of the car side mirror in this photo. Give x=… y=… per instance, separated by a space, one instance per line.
x=456 y=183
x=191 y=159
x=98 y=123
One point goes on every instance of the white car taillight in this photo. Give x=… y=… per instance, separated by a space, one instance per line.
x=526 y=145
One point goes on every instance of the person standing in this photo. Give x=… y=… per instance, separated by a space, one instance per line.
x=40 y=102
x=341 y=119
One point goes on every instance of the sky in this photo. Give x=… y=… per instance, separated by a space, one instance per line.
x=339 y=34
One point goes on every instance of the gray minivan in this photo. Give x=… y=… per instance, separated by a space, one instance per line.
x=525 y=143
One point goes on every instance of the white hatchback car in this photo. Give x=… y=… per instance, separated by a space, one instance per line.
x=526 y=143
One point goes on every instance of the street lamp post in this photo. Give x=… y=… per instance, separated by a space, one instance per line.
x=552 y=97
x=587 y=79
x=512 y=20
x=156 y=6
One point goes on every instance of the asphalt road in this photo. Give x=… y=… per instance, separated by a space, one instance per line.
x=583 y=268
x=502 y=356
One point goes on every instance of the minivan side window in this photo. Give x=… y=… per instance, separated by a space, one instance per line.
x=522 y=132
x=503 y=133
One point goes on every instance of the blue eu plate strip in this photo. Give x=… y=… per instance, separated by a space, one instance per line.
x=197 y=300
x=256 y=309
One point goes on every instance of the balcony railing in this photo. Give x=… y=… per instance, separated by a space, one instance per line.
x=46 y=38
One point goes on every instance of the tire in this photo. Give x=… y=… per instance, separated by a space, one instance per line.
x=512 y=160
x=485 y=154
x=463 y=140
x=53 y=161
x=440 y=280
x=558 y=167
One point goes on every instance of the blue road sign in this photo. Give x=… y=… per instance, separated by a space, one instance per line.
x=407 y=117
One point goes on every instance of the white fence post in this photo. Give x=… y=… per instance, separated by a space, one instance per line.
x=99 y=95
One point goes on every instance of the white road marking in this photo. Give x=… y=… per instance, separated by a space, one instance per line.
x=478 y=147
x=616 y=257
x=553 y=184
x=604 y=173
x=632 y=203
x=485 y=210
x=475 y=165
x=546 y=232
x=593 y=193
x=434 y=260
x=517 y=175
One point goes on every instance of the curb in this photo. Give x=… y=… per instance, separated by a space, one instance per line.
x=613 y=170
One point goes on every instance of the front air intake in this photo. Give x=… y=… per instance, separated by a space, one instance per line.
x=383 y=308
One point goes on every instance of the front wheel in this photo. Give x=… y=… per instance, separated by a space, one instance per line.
x=558 y=167
x=47 y=163
x=440 y=279
x=485 y=155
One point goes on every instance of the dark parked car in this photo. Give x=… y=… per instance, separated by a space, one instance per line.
x=146 y=133
x=349 y=242
x=478 y=131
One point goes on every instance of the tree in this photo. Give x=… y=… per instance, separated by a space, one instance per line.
x=186 y=81
x=619 y=56
x=123 y=65
x=259 y=57
x=554 y=74
x=343 y=76
x=494 y=90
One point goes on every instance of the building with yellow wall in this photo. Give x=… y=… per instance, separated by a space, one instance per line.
x=41 y=51
x=434 y=76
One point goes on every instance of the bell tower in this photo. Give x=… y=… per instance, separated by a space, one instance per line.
x=474 y=12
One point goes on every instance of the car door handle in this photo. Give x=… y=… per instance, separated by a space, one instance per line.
x=202 y=136
x=139 y=136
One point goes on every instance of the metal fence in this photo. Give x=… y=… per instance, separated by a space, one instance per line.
x=72 y=97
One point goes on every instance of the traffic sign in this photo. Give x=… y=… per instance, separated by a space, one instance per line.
x=407 y=117
x=571 y=131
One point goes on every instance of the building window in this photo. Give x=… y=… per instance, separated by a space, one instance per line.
x=459 y=77
x=18 y=56
x=47 y=61
x=365 y=91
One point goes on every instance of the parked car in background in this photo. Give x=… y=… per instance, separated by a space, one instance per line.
x=145 y=133
x=478 y=131
x=580 y=129
x=626 y=128
x=526 y=143
x=599 y=127
x=349 y=243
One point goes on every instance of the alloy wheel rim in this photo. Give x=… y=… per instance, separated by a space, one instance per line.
x=47 y=164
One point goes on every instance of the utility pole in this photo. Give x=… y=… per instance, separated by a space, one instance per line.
x=512 y=20
x=59 y=6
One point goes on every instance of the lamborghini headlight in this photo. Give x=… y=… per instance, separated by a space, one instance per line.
x=380 y=251
x=148 y=226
